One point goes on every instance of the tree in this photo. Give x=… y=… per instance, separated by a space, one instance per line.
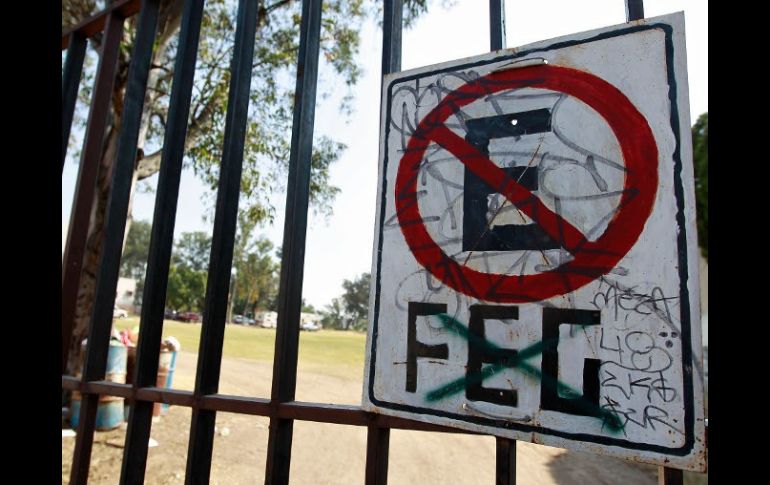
x=700 y=150
x=351 y=310
x=186 y=288
x=133 y=263
x=270 y=111
x=356 y=302
x=192 y=250
x=333 y=316
x=256 y=281
x=188 y=272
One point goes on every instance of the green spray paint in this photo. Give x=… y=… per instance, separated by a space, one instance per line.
x=610 y=419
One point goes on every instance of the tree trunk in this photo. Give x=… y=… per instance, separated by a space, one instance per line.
x=93 y=253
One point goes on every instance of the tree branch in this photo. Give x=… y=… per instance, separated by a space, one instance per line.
x=150 y=164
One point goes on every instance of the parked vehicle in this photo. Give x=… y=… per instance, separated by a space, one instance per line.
x=189 y=317
x=238 y=319
x=119 y=313
x=268 y=319
x=170 y=314
x=310 y=326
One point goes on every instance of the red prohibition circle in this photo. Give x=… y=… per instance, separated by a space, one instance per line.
x=591 y=258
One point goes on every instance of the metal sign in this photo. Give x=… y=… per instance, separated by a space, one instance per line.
x=535 y=269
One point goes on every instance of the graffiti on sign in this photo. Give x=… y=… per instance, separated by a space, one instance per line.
x=534 y=270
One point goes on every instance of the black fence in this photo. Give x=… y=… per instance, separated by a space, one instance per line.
x=281 y=407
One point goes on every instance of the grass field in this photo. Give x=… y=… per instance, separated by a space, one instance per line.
x=333 y=352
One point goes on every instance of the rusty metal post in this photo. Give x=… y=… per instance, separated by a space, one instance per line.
x=77 y=233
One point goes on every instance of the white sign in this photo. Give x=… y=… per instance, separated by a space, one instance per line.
x=535 y=269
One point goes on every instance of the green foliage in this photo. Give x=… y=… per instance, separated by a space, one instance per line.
x=351 y=310
x=133 y=263
x=256 y=272
x=193 y=250
x=356 y=300
x=186 y=288
x=254 y=287
x=333 y=316
x=700 y=148
x=188 y=272
x=268 y=133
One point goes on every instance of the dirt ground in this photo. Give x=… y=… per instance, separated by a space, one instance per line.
x=334 y=454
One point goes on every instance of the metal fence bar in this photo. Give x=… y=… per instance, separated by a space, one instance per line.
x=115 y=225
x=634 y=10
x=296 y=410
x=505 y=461
x=378 y=435
x=80 y=217
x=496 y=25
x=223 y=239
x=95 y=23
x=294 y=234
x=505 y=458
x=377 y=445
x=73 y=68
x=670 y=476
x=392 y=21
x=161 y=241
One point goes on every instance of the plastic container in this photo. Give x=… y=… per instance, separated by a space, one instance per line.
x=109 y=411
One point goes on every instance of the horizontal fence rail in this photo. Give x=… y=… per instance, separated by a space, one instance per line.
x=205 y=401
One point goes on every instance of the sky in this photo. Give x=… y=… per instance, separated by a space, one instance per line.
x=340 y=247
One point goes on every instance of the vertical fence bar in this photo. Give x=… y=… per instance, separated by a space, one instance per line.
x=115 y=225
x=73 y=68
x=377 y=445
x=294 y=234
x=77 y=233
x=161 y=241
x=496 y=25
x=378 y=438
x=201 y=442
x=505 y=470
x=392 y=22
x=670 y=476
x=634 y=10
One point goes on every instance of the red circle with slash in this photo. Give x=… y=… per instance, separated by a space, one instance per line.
x=591 y=258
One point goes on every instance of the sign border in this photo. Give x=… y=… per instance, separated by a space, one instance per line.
x=685 y=316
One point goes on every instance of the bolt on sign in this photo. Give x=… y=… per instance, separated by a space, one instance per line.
x=535 y=269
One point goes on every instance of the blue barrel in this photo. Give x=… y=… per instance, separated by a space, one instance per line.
x=109 y=412
x=169 y=378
